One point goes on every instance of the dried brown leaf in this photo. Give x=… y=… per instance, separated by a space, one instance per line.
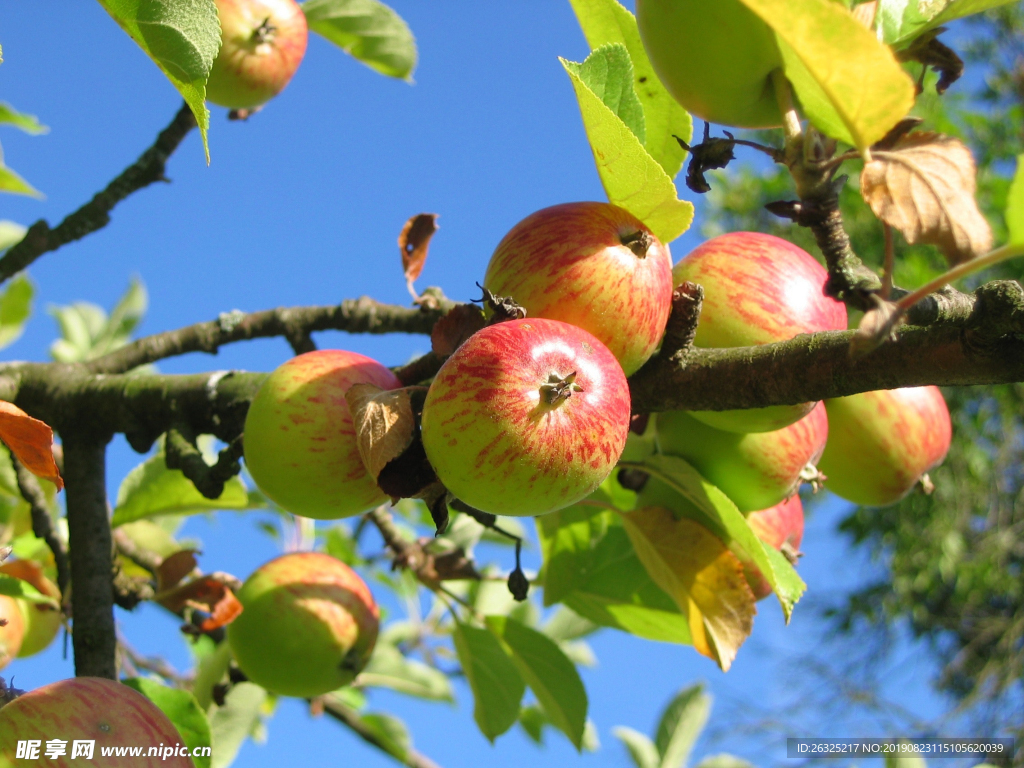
x=212 y=594
x=878 y=325
x=31 y=442
x=458 y=324
x=384 y=423
x=924 y=187
x=174 y=568
x=414 y=241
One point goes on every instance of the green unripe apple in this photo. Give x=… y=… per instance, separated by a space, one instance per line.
x=42 y=622
x=756 y=470
x=12 y=631
x=881 y=443
x=308 y=625
x=715 y=57
x=300 y=442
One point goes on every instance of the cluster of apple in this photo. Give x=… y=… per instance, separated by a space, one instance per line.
x=26 y=627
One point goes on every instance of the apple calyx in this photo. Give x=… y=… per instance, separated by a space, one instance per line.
x=638 y=241
x=8 y=693
x=502 y=308
x=559 y=389
x=264 y=33
x=811 y=474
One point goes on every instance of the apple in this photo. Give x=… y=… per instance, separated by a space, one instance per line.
x=262 y=44
x=528 y=416
x=715 y=58
x=42 y=622
x=756 y=470
x=300 y=442
x=12 y=633
x=781 y=527
x=593 y=265
x=881 y=443
x=308 y=625
x=90 y=709
x=758 y=289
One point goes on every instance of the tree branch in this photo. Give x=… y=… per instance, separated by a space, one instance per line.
x=92 y=596
x=362 y=315
x=350 y=718
x=42 y=525
x=95 y=214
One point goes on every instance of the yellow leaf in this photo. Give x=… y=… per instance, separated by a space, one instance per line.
x=700 y=574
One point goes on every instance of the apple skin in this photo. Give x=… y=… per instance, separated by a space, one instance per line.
x=42 y=623
x=300 y=442
x=756 y=470
x=758 y=289
x=715 y=58
x=572 y=262
x=778 y=526
x=12 y=634
x=494 y=439
x=881 y=443
x=253 y=67
x=308 y=626
x=89 y=708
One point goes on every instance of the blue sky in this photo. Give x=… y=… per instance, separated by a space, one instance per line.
x=302 y=205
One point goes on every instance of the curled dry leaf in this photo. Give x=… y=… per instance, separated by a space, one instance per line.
x=174 y=568
x=413 y=242
x=384 y=423
x=878 y=325
x=212 y=594
x=924 y=187
x=458 y=324
x=31 y=442
x=700 y=574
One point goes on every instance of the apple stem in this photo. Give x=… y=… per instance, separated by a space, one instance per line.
x=784 y=96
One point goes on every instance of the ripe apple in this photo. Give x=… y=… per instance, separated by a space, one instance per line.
x=881 y=443
x=262 y=44
x=93 y=709
x=300 y=442
x=715 y=58
x=781 y=527
x=593 y=265
x=528 y=416
x=756 y=470
x=308 y=626
x=42 y=622
x=757 y=289
x=12 y=633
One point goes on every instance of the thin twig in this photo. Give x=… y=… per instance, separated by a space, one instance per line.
x=42 y=524
x=153 y=664
x=351 y=719
x=95 y=214
x=890 y=261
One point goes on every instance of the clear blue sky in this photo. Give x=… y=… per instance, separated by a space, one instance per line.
x=302 y=205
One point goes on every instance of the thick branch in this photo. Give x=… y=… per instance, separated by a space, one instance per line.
x=95 y=214
x=363 y=315
x=350 y=718
x=92 y=594
x=42 y=525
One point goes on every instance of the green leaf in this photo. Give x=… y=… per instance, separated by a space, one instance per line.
x=15 y=308
x=13 y=183
x=1015 y=205
x=681 y=724
x=566 y=625
x=368 y=30
x=632 y=179
x=641 y=748
x=14 y=587
x=390 y=732
x=901 y=21
x=210 y=670
x=724 y=761
x=11 y=233
x=88 y=332
x=532 y=719
x=182 y=37
x=152 y=489
x=339 y=544
x=549 y=673
x=719 y=514
x=497 y=685
x=27 y=123
x=591 y=567
x=232 y=723
x=608 y=73
x=182 y=709
x=606 y=21
x=850 y=84
x=388 y=668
